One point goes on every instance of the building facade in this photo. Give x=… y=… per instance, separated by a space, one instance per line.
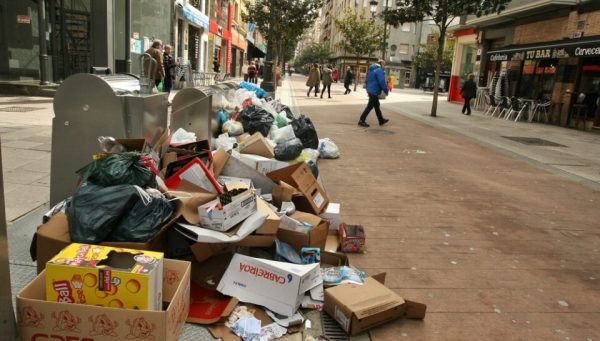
x=401 y=45
x=545 y=50
x=80 y=34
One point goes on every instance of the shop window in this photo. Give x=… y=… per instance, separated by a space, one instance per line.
x=407 y=79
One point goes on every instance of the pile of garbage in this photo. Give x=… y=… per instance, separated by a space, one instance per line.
x=249 y=236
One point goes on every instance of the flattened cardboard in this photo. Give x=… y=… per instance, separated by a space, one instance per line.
x=220 y=158
x=358 y=308
x=39 y=319
x=261 y=164
x=271 y=225
x=282 y=192
x=316 y=237
x=257 y=145
x=313 y=198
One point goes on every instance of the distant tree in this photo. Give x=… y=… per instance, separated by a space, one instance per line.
x=360 y=36
x=315 y=53
x=442 y=12
x=292 y=18
x=427 y=57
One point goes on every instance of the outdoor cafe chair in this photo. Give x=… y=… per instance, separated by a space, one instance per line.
x=492 y=105
x=516 y=108
x=541 y=108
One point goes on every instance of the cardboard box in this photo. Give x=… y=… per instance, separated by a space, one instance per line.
x=224 y=218
x=315 y=237
x=262 y=164
x=106 y=277
x=257 y=145
x=271 y=225
x=39 y=319
x=352 y=238
x=312 y=197
x=53 y=236
x=278 y=286
x=332 y=215
x=360 y=307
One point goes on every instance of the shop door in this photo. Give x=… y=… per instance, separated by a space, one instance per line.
x=70 y=40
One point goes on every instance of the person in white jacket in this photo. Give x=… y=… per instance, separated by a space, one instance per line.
x=245 y=70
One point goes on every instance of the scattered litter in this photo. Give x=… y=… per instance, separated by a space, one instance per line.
x=413 y=268
x=495 y=233
x=453 y=262
x=413 y=151
x=284 y=321
x=497 y=311
x=563 y=303
x=272 y=331
x=248 y=328
x=446 y=243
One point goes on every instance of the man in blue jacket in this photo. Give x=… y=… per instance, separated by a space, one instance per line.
x=376 y=85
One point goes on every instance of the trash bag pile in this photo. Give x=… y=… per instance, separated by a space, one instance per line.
x=247 y=208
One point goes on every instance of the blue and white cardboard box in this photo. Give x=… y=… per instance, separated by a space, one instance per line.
x=278 y=286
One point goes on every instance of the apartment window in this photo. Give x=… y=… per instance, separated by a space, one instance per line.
x=407 y=27
x=403 y=48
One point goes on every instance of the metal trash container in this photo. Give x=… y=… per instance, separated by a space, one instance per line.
x=87 y=106
x=195 y=109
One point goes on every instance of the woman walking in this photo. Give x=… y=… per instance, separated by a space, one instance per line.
x=327 y=80
x=468 y=91
x=314 y=78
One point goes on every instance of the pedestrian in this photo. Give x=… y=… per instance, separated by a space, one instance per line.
x=375 y=85
x=290 y=70
x=335 y=75
x=169 y=64
x=252 y=71
x=327 y=79
x=348 y=78
x=154 y=52
x=245 y=70
x=468 y=91
x=390 y=83
x=216 y=65
x=314 y=78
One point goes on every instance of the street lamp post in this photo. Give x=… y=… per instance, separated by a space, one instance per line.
x=268 y=83
x=373 y=8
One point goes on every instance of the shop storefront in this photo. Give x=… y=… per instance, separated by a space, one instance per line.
x=192 y=36
x=238 y=52
x=566 y=72
x=221 y=45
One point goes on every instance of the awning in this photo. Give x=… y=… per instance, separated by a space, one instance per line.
x=583 y=47
x=194 y=16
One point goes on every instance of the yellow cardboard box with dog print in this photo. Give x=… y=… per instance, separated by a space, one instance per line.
x=106 y=276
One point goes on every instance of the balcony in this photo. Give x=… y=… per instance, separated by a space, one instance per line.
x=519 y=9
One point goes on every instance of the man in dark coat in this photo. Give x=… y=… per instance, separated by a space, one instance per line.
x=468 y=91
x=169 y=64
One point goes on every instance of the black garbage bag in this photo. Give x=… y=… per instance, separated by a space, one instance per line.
x=94 y=211
x=288 y=150
x=144 y=220
x=256 y=119
x=288 y=112
x=305 y=131
x=119 y=169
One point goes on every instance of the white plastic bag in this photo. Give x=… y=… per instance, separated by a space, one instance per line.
x=328 y=149
x=282 y=134
x=181 y=136
x=311 y=154
x=225 y=142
